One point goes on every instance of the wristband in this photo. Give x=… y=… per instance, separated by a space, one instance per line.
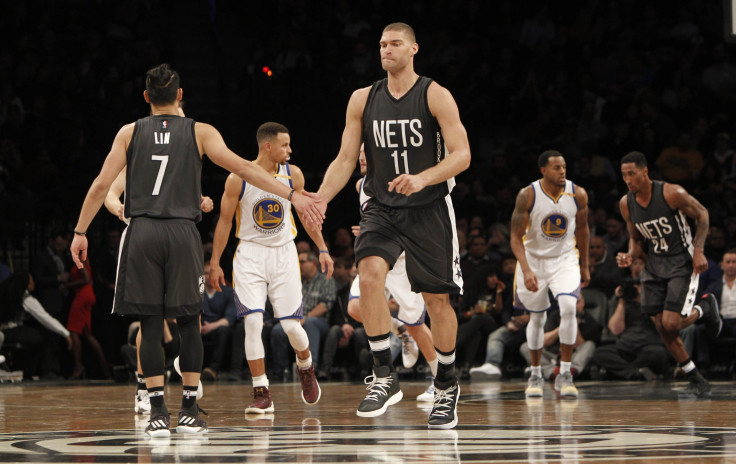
x=324 y=251
x=291 y=193
x=81 y=234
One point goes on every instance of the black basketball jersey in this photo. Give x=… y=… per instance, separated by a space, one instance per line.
x=164 y=169
x=666 y=232
x=401 y=137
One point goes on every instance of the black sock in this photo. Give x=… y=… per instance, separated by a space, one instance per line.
x=141 y=382
x=381 y=349
x=445 y=368
x=190 y=397
x=158 y=405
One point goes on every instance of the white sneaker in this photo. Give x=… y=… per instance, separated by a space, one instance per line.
x=142 y=402
x=409 y=350
x=487 y=371
x=2 y=359
x=200 y=388
x=428 y=395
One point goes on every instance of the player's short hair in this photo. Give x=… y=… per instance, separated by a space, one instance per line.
x=402 y=27
x=635 y=157
x=269 y=130
x=545 y=156
x=162 y=84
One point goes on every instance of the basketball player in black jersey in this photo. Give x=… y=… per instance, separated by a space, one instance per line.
x=160 y=271
x=656 y=215
x=415 y=144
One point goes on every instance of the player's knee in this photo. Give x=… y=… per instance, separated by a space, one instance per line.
x=253 y=323
x=436 y=303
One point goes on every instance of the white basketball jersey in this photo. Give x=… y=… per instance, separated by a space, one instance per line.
x=263 y=217
x=551 y=230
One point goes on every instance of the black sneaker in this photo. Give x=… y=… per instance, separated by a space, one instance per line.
x=698 y=387
x=158 y=426
x=444 y=409
x=190 y=422
x=383 y=391
x=711 y=315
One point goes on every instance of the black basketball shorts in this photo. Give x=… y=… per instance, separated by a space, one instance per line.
x=427 y=234
x=160 y=269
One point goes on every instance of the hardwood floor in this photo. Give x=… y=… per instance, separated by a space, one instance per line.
x=610 y=422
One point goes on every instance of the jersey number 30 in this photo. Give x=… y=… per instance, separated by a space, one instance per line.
x=164 y=159
x=395 y=155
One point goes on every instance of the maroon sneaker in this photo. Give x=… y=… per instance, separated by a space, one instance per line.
x=311 y=392
x=261 y=401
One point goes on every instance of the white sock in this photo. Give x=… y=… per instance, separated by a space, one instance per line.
x=565 y=367
x=260 y=381
x=433 y=366
x=537 y=370
x=304 y=363
x=700 y=310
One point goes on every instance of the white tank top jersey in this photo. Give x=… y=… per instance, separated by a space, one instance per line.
x=265 y=218
x=551 y=231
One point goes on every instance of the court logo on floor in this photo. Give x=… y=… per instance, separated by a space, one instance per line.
x=313 y=442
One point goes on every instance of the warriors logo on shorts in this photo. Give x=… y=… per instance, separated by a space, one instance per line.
x=268 y=215
x=554 y=226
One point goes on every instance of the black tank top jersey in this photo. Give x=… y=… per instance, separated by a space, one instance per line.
x=401 y=136
x=164 y=169
x=666 y=232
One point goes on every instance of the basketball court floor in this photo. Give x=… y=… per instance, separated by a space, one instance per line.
x=611 y=422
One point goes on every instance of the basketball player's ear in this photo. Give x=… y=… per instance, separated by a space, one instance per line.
x=414 y=49
x=179 y=94
x=145 y=96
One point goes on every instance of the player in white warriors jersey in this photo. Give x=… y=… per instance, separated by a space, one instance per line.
x=266 y=263
x=550 y=238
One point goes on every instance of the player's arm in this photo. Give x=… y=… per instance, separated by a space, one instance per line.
x=582 y=233
x=444 y=109
x=519 y=224
x=677 y=197
x=211 y=142
x=342 y=167
x=636 y=240
x=112 y=199
x=325 y=260
x=114 y=163
x=230 y=198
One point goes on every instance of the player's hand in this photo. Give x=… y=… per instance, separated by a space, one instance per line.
x=406 y=184
x=584 y=276
x=356 y=230
x=79 y=250
x=217 y=276
x=625 y=260
x=311 y=207
x=207 y=204
x=530 y=281
x=700 y=263
x=121 y=212
x=327 y=264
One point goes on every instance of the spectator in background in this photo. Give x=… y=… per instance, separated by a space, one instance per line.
x=50 y=275
x=724 y=292
x=40 y=353
x=639 y=353
x=218 y=319
x=681 y=163
x=605 y=274
x=502 y=341
x=616 y=236
x=475 y=263
x=342 y=244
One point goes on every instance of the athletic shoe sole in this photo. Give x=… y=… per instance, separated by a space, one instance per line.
x=534 y=392
x=393 y=400
x=190 y=430
x=163 y=433
x=269 y=409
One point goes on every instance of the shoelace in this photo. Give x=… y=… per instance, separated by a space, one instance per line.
x=377 y=386
x=443 y=400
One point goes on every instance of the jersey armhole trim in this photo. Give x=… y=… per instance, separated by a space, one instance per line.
x=534 y=197
x=242 y=191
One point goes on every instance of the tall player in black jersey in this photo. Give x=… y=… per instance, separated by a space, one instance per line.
x=415 y=144
x=656 y=215
x=160 y=270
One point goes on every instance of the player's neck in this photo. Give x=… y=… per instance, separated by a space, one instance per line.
x=402 y=81
x=552 y=189
x=645 y=194
x=263 y=161
x=165 y=109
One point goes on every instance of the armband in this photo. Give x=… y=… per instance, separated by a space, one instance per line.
x=81 y=234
